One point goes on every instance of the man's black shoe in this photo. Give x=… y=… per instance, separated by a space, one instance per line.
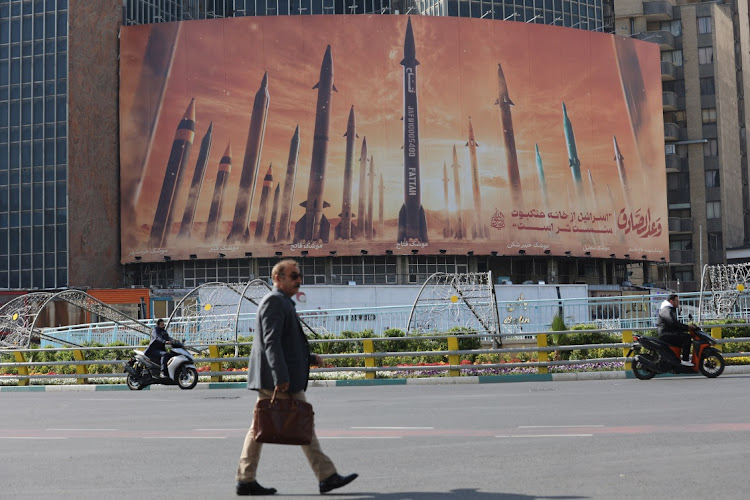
x=336 y=481
x=253 y=488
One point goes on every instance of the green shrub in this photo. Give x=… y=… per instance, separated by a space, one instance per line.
x=586 y=337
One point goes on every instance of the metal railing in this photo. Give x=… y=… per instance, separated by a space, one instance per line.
x=517 y=318
x=538 y=346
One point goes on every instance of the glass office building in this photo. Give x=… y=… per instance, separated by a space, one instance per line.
x=581 y=14
x=33 y=144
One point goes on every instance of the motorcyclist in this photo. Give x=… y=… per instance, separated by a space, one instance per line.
x=671 y=330
x=157 y=347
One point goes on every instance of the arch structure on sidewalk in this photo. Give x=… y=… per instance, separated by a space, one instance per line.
x=461 y=299
x=18 y=318
x=214 y=311
x=721 y=287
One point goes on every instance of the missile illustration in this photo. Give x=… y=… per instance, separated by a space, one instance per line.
x=381 y=223
x=345 y=227
x=362 y=192
x=158 y=56
x=274 y=214
x=621 y=171
x=250 y=164
x=370 y=229
x=290 y=179
x=509 y=138
x=314 y=226
x=260 y=224
x=178 y=158
x=480 y=229
x=447 y=232
x=222 y=176
x=460 y=232
x=575 y=163
x=540 y=174
x=412 y=223
x=592 y=187
x=197 y=183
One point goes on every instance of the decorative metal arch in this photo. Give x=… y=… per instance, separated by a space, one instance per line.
x=725 y=282
x=466 y=299
x=19 y=316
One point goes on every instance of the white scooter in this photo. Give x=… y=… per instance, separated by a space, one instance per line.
x=143 y=371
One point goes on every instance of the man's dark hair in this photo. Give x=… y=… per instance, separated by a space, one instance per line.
x=158 y=321
x=671 y=297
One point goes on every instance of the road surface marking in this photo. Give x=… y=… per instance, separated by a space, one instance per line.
x=183 y=437
x=543 y=435
x=81 y=430
x=395 y=428
x=557 y=426
x=360 y=437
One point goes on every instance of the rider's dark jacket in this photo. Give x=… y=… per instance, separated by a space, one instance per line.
x=159 y=338
x=667 y=322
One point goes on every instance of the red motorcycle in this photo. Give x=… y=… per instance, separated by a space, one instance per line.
x=654 y=356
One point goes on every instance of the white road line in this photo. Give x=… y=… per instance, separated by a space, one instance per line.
x=129 y=400
x=360 y=437
x=183 y=437
x=30 y=437
x=81 y=430
x=219 y=430
x=543 y=435
x=394 y=428
x=557 y=426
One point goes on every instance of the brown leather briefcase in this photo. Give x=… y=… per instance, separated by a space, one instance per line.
x=283 y=421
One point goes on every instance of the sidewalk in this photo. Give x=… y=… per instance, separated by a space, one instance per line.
x=486 y=379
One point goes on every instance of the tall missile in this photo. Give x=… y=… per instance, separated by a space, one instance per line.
x=540 y=174
x=370 y=229
x=260 y=224
x=506 y=121
x=460 y=232
x=381 y=222
x=274 y=214
x=178 y=158
x=290 y=179
x=214 y=213
x=345 y=227
x=480 y=229
x=197 y=183
x=575 y=163
x=412 y=223
x=362 y=193
x=620 y=160
x=592 y=188
x=251 y=163
x=314 y=226
x=447 y=232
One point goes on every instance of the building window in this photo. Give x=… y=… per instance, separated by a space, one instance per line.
x=365 y=270
x=198 y=272
x=682 y=275
x=704 y=25
x=711 y=147
x=673 y=56
x=707 y=86
x=313 y=270
x=681 y=244
x=422 y=267
x=678 y=180
x=709 y=115
x=714 y=241
x=712 y=179
x=706 y=55
x=713 y=210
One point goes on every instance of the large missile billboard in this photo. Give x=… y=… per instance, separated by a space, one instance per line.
x=565 y=148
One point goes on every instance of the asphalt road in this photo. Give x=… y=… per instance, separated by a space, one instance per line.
x=684 y=438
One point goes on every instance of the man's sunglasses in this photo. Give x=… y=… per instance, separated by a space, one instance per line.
x=294 y=276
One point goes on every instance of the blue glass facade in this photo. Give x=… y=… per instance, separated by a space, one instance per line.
x=33 y=144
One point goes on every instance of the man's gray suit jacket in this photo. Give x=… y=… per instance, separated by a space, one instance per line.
x=281 y=352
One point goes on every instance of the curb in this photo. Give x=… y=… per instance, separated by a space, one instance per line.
x=481 y=379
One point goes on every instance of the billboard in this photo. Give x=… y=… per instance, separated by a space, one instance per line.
x=334 y=135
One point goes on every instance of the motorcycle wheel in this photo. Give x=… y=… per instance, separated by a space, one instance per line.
x=639 y=369
x=134 y=383
x=712 y=363
x=187 y=378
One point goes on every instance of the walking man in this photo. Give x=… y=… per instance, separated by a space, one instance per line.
x=280 y=360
